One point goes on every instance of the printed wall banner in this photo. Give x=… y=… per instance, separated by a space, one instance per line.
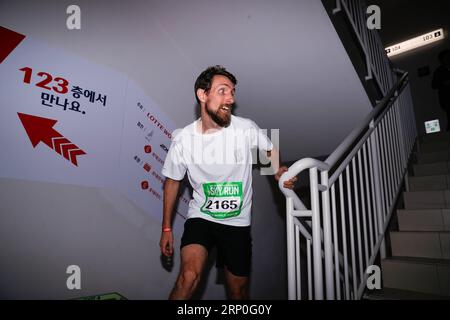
x=67 y=120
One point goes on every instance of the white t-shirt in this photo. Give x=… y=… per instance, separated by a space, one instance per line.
x=219 y=168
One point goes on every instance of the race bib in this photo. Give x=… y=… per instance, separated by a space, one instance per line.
x=223 y=199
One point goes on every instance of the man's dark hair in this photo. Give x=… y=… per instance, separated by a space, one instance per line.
x=442 y=55
x=204 y=80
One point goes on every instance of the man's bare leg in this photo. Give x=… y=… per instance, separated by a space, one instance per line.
x=193 y=259
x=237 y=286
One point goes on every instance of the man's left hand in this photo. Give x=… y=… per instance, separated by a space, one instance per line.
x=288 y=183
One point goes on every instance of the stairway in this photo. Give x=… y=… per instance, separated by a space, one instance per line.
x=419 y=266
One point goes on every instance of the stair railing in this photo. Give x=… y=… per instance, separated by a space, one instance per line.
x=377 y=63
x=360 y=181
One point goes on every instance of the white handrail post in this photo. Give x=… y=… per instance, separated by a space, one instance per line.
x=406 y=181
x=290 y=248
x=377 y=182
x=316 y=230
x=402 y=137
x=338 y=7
x=327 y=243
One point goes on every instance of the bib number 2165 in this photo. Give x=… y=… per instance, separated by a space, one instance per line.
x=223 y=200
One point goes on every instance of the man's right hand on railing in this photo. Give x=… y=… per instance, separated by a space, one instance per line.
x=288 y=183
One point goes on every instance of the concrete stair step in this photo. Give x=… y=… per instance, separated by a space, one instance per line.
x=420 y=266
x=424 y=220
x=438 y=136
x=428 y=276
x=397 y=294
x=434 y=146
x=430 y=157
x=429 y=183
x=427 y=199
x=431 y=169
x=421 y=244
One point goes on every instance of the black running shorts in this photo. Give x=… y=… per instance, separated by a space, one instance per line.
x=234 y=244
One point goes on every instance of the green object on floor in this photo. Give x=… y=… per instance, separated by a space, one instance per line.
x=105 y=296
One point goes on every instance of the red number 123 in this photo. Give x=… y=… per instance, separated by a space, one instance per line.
x=61 y=83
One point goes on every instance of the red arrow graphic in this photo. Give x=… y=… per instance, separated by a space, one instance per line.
x=67 y=148
x=41 y=129
x=9 y=40
x=74 y=154
x=57 y=143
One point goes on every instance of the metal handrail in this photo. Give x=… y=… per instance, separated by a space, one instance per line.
x=330 y=162
x=351 y=138
x=294 y=170
x=379 y=158
x=296 y=207
x=377 y=62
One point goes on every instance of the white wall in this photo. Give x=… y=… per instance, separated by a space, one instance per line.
x=46 y=227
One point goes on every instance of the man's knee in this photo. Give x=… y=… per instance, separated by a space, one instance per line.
x=238 y=292
x=188 y=278
x=237 y=287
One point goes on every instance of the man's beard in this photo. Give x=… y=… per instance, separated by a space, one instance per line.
x=223 y=121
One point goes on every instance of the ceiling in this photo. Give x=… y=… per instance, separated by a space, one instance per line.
x=404 y=19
